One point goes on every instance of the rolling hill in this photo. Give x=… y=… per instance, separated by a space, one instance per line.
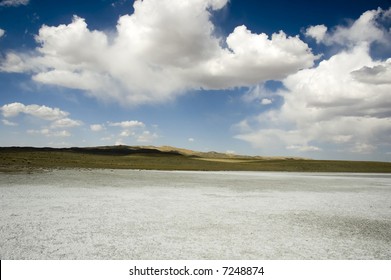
x=15 y=159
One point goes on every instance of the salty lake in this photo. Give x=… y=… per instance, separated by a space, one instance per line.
x=125 y=214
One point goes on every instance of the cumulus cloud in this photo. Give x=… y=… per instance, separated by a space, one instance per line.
x=163 y=49
x=343 y=104
x=42 y=112
x=54 y=118
x=17 y=63
x=254 y=58
x=2 y=32
x=135 y=130
x=365 y=29
x=14 y=3
x=318 y=32
x=53 y=122
x=378 y=74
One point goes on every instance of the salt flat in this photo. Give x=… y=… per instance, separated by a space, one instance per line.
x=124 y=214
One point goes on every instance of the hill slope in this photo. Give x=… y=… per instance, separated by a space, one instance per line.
x=167 y=158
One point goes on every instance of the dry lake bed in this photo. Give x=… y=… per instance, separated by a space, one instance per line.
x=129 y=214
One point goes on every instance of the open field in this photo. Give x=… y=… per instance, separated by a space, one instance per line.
x=27 y=159
x=129 y=214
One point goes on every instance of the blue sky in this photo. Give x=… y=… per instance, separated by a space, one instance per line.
x=275 y=78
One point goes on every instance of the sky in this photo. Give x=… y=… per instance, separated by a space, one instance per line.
x=274 y=78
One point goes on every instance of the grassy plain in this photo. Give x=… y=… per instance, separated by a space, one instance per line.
x=30 y=159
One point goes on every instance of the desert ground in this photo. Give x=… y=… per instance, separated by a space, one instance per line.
x=140 y=214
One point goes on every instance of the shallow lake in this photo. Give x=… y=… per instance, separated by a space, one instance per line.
x=125 y=214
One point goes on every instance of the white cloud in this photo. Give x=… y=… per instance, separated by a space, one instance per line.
x=54 y=118
x=254 y=58
x=378 y=74
x=97 y=127
x=163 y=49
x=2 y=32
x=42 y=112
x=86 y=80
x=342 y=105
x=318 y=32
x=266 y=101
x=17 y=63
x=191 y=139
x=14 y=3
x=8 y=123
x=364 y=30
x=66 y=122
x=135 y=130
x=127 y=133
x=127 y=124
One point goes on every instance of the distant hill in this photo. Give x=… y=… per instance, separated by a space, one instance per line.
x=210 y=154
x=119 y=150
x=162 y=150
x=15 y=159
